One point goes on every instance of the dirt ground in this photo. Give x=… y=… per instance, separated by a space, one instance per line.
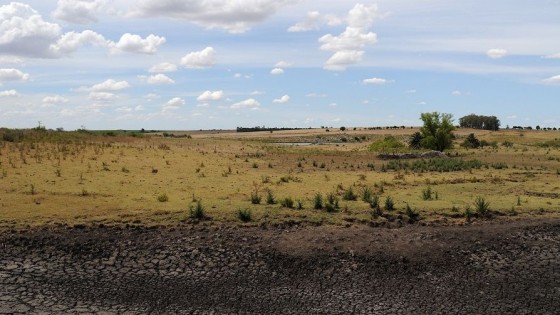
x=480 y=268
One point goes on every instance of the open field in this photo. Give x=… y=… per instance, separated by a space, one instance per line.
x=153 y=180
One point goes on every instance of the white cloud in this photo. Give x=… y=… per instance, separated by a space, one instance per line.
x=208 y=96
x=496 y=53
x=8 y=93
x=333 y=104
x=282 y=64
x=283 y=100
x=248 y=103
x=159 y=79
x=277 y=71
x=233 y=16
x=456 y=93
x=312 y=22
x=553 y=56
x=552 y=80
x=376 y=81
x=151 y=96
x=173 y=104
x=55 y=99
x=163 y=67
x=258 y=93
x=124 y=109
x=318 y=95
x=200 y=59
x=78 y=11
x=422 y=103
x=106 y=86
x=11 y=74
x=102 y=96
x=10 y=60
x=135 y=44
x=348 y=47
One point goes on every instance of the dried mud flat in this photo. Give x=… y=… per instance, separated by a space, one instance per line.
x=490 y=268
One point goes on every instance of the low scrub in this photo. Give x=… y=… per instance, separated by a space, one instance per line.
x=434 y=165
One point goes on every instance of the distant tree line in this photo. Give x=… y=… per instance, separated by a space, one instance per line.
x=263 y=128
x=479 y=122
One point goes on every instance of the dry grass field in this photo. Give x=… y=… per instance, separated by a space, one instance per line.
x=71 y=178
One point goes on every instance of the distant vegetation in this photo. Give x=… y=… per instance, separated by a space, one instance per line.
x=480 y=122
x=263 y=128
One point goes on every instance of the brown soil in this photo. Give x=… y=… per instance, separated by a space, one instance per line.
x=490 y=268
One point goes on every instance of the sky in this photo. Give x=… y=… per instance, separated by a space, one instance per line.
x=217 y=64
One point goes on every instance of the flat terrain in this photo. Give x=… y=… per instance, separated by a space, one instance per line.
x=108 y=225
x=491 y=268
x=58 y=178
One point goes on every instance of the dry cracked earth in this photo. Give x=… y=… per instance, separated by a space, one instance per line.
x=490 y=268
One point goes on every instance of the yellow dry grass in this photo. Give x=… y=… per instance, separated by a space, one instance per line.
x=117 y=180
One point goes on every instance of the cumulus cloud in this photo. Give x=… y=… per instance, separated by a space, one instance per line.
x=348 y=47
x=102 y=96
x=199 y=59
x=24 y=33
x=456 y=93
x=173 y=104
x=163 y=67
x=277 y=71
x=496 y=53
x=135 y=44
x=250 y=103
x=55 y=99
x=106 y=86
x=233 y=16
x=158 y=79
x=8 y=93
x=11 y=74
x=282 y=64
x=208 y=96
x=283 y=100
x=78 y=11
x=376 y=81
x=552 y=80
x=312 y=22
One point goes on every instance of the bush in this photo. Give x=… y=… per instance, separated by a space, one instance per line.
x=255 y=198
x=388 y=143
x=427 y=194
x=270 y=199
x=482 y=207
x=329 y=207
x=163 y=198
x=389 y=204
x=471 y=142
x=287 y=202
x=349 y=194
x=197 y=212
x=318 y=201
x=244 y=215
x=367 y=194
x=299 y=204
x=412 y=214
x=374 y=202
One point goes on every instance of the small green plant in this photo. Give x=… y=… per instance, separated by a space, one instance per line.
x=367 y=194
x=299 y=204
x=244 y=215
x=412 y=214
x=349 y=194
x=468 y=214
x=376 y=212
x=482 y=207
x=270 y=199
x=318 y=201
x=287 y=202
x=163 y=198
x=389 y=203
x=197 y=212
x=374 y=202
x=427 y=194
x=255 y=198
x=329 y=207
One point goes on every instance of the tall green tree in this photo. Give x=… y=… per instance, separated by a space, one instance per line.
x=437 y=132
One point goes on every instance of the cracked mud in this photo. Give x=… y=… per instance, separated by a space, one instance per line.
x=491 y=268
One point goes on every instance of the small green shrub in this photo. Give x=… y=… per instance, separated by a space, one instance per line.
x=389 y=203
x=388 y=143
x=270 y=199
x=374 y=202
x=482 y=207
x=367 y=194
x=163 y=198
x=329 y=207
x=255 y=198
x=318 y=201
x=299 y=204
x=287 y=202
x=197 y=212
x=412 y=214
x=244 y=215
x=349 y=194
x=427 y=194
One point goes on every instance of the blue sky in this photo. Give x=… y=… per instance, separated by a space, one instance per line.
x=167 y=64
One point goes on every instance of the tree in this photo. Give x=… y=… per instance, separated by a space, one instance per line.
x=437 y=132
x=471 y=142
